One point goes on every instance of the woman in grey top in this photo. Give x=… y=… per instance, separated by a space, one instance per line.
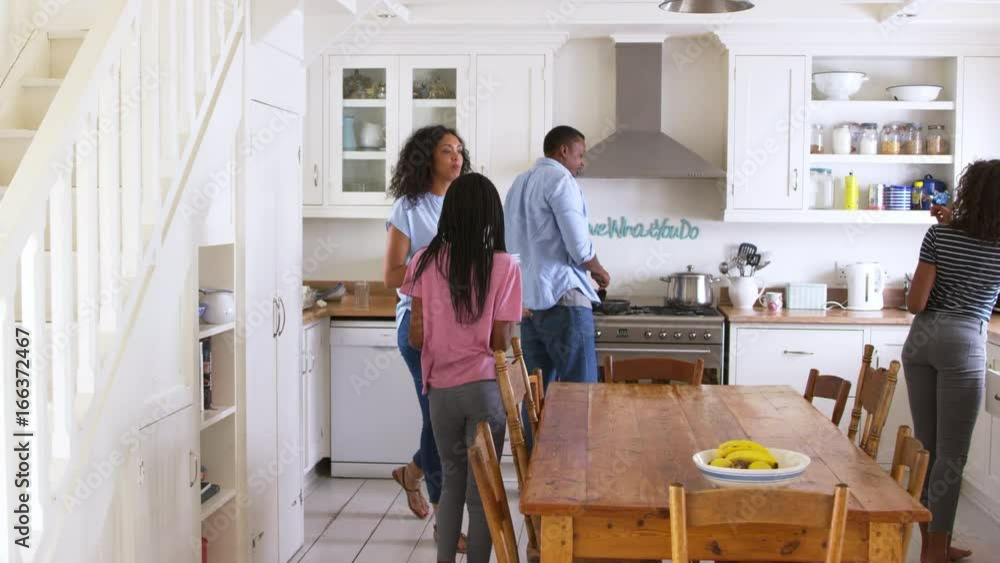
x=954 y=290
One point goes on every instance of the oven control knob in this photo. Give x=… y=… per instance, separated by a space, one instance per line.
x=678 y=335
x=649 y=334
x=663 y=335
x=598 y=333
x=693 y=335
x=708 y=336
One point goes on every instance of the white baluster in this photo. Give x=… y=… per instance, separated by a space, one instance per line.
x=152 y=80
x=87 y=257
x=7 y=407
x=188 y=67
x=170 y=78
x=63 y=329
x=33 y=300
x=131 y=158
x=109 y=182
x=221 y=26
x=204 y=49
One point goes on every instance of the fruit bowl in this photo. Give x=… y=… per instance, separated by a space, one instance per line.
x=839 y=85
x=791 y=466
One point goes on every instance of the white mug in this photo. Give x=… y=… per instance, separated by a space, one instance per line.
x=772 y=301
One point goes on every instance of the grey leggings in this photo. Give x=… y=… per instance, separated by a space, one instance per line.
x=455 y=413
x=944 y=361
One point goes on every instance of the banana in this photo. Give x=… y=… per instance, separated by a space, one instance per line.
x=731 y=446
x=750 y=456
x=760 y=465
x=721 y=462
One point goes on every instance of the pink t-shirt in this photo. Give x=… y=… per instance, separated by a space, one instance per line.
x=454 y=354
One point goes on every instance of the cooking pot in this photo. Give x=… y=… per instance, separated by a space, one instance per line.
x=220 y=307
x=689 y=288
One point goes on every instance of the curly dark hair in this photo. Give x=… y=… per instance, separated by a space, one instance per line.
x=412 y=176
x=977 y=201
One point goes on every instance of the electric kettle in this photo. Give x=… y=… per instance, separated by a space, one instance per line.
x=865 y=286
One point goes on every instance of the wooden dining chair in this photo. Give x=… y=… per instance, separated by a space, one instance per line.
x=530 y=396
x=536 y=384
x=489 y=481
x=829 y=387
x=876 y=388
x=911 y=458
x=659 y=370
x=807 y=512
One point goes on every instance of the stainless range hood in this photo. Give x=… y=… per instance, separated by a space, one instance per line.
x=639 y=149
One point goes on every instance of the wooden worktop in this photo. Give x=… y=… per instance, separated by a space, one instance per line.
x=381 y=303
x=892 y=317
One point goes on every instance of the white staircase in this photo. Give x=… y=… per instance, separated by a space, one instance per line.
x=98 y=134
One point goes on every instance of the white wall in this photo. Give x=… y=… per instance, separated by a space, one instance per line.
x=695 y=114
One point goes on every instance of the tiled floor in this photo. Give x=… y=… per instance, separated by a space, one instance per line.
x=367 y=521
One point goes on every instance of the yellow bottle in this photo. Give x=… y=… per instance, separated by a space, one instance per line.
x=852 y=192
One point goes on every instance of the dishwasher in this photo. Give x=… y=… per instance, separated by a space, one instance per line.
x=374 y=416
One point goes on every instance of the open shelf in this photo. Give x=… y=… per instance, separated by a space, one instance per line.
x=364 y=155
x=435 y=103
x=881 y=105
x=364 y=103
x=880 y=159
x=214 y=416
x=212 y=505
x=207 y=330
x=831 y=216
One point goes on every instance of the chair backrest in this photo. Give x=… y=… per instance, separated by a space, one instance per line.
x=513 y=389
x=909 y=457
x=876 y=388
x=773 y=507
x=489 y=481
x=829 y=387
x=534 y=407
x=653 y=369
x=536 y=384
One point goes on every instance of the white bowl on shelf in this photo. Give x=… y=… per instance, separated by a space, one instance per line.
x=839 y=85
x=914 y=92
x=791 y=466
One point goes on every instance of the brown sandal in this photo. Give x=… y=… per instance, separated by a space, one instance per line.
x=463 y=541
x=414 y=498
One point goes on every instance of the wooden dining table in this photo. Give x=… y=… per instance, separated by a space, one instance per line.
x=606 y=455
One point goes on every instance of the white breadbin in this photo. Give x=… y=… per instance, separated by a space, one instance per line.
x=805 y=296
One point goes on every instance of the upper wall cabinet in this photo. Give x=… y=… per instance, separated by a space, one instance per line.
x=364 y=108
x=980 y=112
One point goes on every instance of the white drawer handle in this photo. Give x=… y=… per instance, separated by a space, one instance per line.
x=798 y=353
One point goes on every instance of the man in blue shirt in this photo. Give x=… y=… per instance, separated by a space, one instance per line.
x=546 y=224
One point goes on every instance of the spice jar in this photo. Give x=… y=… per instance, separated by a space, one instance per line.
x=869 y=139
x=842 y=139
x=816 y=139
x=913 y=142
x=890 y=140
x=937 y=141
x=822 y=184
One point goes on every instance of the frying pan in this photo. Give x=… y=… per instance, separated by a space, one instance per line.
x=611 y=306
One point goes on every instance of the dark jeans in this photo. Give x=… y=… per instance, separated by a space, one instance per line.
x=944 y=361
x=426 y=458
x=560 y=341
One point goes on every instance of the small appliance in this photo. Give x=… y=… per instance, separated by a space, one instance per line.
x=865 y=286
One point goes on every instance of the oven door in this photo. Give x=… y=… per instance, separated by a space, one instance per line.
x=711 y=355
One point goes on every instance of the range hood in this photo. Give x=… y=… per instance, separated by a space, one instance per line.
x=639 y=148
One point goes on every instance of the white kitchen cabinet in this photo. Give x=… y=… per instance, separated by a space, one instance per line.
x=272 y=329
x=510 y=116
x=316 y=394
x=888 y=345
x=375 y=419
x=980 y=114
x=165 y=470
x=312 y=143
x=784 y=356
x=993 y=411
x=767 y=148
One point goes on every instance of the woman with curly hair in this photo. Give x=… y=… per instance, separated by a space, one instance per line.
x=432 y=158
x=954 y=290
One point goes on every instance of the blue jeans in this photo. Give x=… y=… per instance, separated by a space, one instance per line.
x=560 y=342
x=426 y=458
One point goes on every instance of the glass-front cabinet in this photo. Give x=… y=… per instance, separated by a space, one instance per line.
x=374 y=104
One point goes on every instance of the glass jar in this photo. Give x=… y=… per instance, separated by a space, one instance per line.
x=816 y=139
x=937 y=141
x=913 y=141
x=869 y=139
x=842 y=139
x=822 y=185
x=890 y=142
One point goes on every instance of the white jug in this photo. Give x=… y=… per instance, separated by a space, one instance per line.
x=371 y=136
x=744 y=292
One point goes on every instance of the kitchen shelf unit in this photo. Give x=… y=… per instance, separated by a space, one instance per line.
x=923 y=159
x=859 y=217
x=218 y=425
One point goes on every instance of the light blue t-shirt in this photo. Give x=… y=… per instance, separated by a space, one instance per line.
x=419 y=222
